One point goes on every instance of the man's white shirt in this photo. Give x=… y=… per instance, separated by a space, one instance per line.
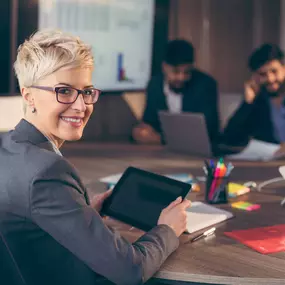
x=173 y=100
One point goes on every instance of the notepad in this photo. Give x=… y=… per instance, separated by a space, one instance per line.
x=201 y=215
x=246 y=206
x=264 y=240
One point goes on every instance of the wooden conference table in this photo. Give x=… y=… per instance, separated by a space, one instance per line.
x=219 y=259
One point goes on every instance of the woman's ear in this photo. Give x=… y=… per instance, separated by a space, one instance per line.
x=27 y=96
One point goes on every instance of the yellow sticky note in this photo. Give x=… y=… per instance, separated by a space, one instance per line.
x=235 y=189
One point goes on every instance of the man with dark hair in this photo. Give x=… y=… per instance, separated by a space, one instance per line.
x=180 y=88
x=261 y=115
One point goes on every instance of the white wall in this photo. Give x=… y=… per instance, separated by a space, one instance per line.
x=11 y=112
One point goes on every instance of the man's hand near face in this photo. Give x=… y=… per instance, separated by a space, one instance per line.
x=145 y=134
x=251 y=89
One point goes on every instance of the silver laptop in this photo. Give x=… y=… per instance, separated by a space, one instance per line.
x=186 y=133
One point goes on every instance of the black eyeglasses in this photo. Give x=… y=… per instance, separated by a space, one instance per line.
x=68 y=95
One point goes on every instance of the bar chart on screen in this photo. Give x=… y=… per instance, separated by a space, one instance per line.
x=119 y=31
x=122 y=73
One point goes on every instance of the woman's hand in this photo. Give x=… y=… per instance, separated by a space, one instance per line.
x=98 y=200
x=175 y=215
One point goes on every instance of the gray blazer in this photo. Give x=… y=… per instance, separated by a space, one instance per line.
x=51 y=229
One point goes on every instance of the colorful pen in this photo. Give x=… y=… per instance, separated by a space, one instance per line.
x=214 y=183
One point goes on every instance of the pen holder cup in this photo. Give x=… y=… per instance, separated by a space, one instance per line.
x=216 y=190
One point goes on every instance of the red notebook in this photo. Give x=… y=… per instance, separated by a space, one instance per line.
x=264 y=240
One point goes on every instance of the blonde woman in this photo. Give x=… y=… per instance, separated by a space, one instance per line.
x=54 y=232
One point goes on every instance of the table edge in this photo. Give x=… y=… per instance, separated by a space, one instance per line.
x=214 y=279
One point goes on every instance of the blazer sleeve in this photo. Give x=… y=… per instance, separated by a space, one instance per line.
x=150 y=115
x=240 y=126
x=59 y=207
x=212 y=111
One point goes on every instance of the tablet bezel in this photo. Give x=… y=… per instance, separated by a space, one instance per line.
x=106 y=209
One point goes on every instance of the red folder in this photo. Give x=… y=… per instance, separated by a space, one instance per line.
x=264 y=240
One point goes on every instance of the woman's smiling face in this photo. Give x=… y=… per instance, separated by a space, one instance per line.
x=59 y=121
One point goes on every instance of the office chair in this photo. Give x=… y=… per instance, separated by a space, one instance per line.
x=9 y=271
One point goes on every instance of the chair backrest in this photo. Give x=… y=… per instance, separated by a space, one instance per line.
x=9 y=270
x=228 y=103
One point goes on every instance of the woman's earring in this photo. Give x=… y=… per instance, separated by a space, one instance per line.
x=33 y=110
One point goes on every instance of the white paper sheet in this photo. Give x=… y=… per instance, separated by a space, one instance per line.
x=112 y=179
x=257 y=150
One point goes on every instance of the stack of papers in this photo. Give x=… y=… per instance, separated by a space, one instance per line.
x=257 y=150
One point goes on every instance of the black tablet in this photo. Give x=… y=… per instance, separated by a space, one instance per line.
x=139 y=197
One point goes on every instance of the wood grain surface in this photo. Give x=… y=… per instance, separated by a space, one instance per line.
x=216 y=260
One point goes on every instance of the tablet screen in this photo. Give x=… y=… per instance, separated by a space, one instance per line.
x=140 y=196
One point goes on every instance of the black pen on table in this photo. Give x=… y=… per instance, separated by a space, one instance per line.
x=204 y=234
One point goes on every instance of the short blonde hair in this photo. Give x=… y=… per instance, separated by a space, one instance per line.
x=46 y=52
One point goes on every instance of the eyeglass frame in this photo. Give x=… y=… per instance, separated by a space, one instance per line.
x=55 y=89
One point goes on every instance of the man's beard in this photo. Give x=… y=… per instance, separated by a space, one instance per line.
x=278 y=92
x=179 y=89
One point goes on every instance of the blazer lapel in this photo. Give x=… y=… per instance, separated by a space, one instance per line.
x=161 y=96
x=267 y=117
